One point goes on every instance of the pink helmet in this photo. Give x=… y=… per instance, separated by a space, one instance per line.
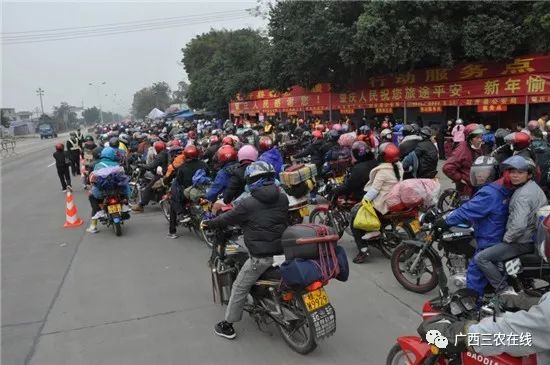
x=337 y=127
x=532 y=125
x=247 y=152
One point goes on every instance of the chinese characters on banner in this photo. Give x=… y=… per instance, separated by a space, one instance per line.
x=431 y=109
x=472 y=84
x=492 y=108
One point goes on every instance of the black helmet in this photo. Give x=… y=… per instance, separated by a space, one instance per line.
x=416 y=128
x=407 y=130
x=89 y=138
x=426 y=132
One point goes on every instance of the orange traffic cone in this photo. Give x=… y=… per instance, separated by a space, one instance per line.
x=72 y=219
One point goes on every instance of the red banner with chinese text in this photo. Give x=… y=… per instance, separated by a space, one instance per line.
x=492 y=108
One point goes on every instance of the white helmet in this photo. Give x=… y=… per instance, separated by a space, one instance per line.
x=459 y=121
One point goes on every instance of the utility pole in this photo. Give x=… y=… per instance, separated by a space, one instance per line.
x=97 y=85
x=40 y=93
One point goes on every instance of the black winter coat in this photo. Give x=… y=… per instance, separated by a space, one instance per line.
x=237 y=182
x=184 y=173
x=61 y=159
x=357 y=179
x=428 y=157
x=407 y=145
x=161 y=160
x=263 y=218
x=315 y=151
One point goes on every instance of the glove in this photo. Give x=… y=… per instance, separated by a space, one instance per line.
x=447 y=334
x=204 y=225
x=441 y=224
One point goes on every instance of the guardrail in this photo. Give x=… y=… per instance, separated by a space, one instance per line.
x=7 y=146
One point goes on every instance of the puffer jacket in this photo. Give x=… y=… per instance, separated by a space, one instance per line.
x=522 y=221
x=263 y=218
x=220 y=182
x=161 y=159
x=274 y=158
x=457 y=167
x=315 y=151
x=356 y=179
x=427 y=159
x=381 y=180
x=408 y=144
x=488 y=211
x=174 y=165
x=237 y=182
x=184 y=174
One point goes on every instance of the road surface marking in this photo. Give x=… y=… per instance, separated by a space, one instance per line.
x=50 y=165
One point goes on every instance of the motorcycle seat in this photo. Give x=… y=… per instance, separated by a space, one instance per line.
x=273 y=273
x=531 y=259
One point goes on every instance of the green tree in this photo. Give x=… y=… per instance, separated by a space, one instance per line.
x=156 y=96
x=221 y=64
x=180 y=95
x=91 y=115
x=61 y=116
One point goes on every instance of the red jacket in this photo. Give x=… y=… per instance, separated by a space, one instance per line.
x=457 y=167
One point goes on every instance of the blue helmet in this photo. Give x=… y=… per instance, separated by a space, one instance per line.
x=520 y=163
x=258 y=174
x=108 y=153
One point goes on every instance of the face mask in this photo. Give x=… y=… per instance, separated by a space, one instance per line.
x=474 y=147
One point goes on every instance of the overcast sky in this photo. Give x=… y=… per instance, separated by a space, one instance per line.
x=126 y=62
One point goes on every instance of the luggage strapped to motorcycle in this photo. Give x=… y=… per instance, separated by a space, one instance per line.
x=328 y=261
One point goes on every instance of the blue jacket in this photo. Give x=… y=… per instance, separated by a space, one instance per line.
x=220 y=182
x=489 y=138
x=487 y=211
x=274 y=158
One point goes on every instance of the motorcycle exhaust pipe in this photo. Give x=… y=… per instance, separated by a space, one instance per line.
x=276 y=302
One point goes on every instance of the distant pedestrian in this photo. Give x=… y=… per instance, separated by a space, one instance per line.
x=458 y=133
x=62 y=163
x=74 y=150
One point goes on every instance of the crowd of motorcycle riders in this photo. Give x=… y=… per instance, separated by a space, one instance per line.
x=501 y=177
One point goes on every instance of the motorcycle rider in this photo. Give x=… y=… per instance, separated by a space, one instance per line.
x=314 y=150
x=108 y=158
x=246 y=155
x=425 y=157
x=408 y=143
x=522 y=220
x=263 y=218
x=457 y=166
x=160 y=162
x=226 y=157
x=382 y=178
x=62 y=163
x=184 y=178
x=489 y=139
x=359 y=175
x=487 y=210
x=74 y=150
x=517 y=143
x=270 y=154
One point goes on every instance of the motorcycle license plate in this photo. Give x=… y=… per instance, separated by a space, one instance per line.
x=304 y=211
x=415 y=225
x=339 y=180
x=115 y=208
x=315 y=299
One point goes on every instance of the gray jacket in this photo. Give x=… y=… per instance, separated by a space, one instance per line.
x=522 y=221
x=536 y=322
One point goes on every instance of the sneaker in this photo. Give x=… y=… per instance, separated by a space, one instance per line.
x=125 y=208
x=361 y=257
x=69 y=187
x=137 y=208
x=371 y=235
x=100 y=214
x=172 y=235
x=225 y=329
x=186 y=219
x=92 y=229
x=64 y=190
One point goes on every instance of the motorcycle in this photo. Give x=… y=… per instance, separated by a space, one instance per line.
x=139 y=181
x=412 y=259
x=462 y=305
x=114 y=216
x=303 y=316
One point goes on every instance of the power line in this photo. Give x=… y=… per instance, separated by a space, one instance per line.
x=122 y=23
x=110 y=29
x=104 y=33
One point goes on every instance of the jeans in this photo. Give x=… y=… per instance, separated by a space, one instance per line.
x=488 y=259
x=252 y=269
x=75 y=162
x=357 y=233
x=148 y=192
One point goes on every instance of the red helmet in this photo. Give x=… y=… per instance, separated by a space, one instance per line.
x=191 y=152
x=159 y=146
x=317 y=134
x=214 y=139
x=385 y=125
x=473 y=130
x=320 y=127
x=59 y=147
x=192 y=135
x=228 y=141
x=521 y=141
x=226 y=153
x=265 y=143
x=388 y=152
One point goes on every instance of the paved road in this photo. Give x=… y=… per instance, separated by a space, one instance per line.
x=73 y=298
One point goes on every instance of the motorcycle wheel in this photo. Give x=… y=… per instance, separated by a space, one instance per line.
x=135 y=195
x=404 y=255
x=319 y=216
x=306 y=331
x=448 y=200
x=392 y=236
x=398 y=356
x=165 y=206
x=118 y=228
